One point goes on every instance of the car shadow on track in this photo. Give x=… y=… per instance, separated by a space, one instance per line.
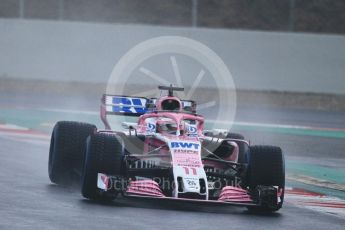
x=153 y=204
x=73 y=192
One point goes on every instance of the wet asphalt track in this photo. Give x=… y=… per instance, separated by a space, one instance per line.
x=29 y=201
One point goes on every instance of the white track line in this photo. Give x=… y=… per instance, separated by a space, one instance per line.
x=314 y=201
x=22 y=134
x=267 y=125
x=70 y=111
x=316 y=182
x=240 y=123
x=12 y=127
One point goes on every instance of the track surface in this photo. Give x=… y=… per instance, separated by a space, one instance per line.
x=28 y=199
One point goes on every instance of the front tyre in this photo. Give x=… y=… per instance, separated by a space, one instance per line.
x=67 y=148
x=267 y=168
x=104 y=154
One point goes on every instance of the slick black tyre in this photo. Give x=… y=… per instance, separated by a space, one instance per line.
x=243 y=147
x=104 y=154
x=266 y=168
x=66 y=152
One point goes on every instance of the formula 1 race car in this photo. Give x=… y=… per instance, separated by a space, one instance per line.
x=167 y=154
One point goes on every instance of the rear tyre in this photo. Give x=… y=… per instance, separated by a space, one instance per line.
x=242 y=146
x=266 y=168
x=104 y=154
x=66 y=153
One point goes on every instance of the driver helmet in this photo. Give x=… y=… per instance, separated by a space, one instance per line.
x=166 y=127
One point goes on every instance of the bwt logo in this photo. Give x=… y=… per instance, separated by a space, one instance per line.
x=184 y=145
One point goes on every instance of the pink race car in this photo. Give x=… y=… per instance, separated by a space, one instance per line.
x=165 y=155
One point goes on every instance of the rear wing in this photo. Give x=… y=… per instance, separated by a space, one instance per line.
x=124 y=105
x=133 y=106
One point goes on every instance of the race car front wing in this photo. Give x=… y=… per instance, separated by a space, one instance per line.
x=267 y=196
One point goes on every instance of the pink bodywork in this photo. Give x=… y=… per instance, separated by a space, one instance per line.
x=144 y=188
x=151 y=188
x=234 y=194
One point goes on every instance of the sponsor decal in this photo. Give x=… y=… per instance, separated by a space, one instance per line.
x=191 y=183
x=188 y=162
x=127 y=105
x=184 y=145
x=185 y=151
x=186 y=154
x=150 y=128
x=210 y=184
x=192 y=130
x=102 y=181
